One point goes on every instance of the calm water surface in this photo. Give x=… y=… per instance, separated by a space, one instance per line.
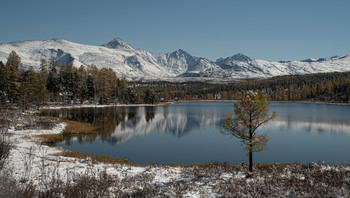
x=189 y=133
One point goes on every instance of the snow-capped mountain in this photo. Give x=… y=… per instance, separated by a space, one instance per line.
x=138 y=63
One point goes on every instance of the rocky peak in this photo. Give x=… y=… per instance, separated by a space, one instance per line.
x=118 y=43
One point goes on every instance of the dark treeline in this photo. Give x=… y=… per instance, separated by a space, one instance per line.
x=323 y=87
x=65 y=84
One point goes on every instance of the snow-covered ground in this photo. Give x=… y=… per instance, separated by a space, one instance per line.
x=32 y=161
x=28 y=158
x=36 y=162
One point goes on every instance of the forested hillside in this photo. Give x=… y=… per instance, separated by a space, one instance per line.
x=322 y=87
x=67 y=84
x=64 y=84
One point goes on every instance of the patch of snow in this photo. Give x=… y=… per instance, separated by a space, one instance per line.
x=36 y=162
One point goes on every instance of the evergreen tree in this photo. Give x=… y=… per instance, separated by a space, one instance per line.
x=3 y=83
x=130 y=96
x=90 y=85
x=94 y=73
x=27 y=86
x=53 y=62
x=149 y=97
x=14 y=62
x=40 y=95
x=14 y=68
x=123 y=88
x=53 y=84
x=44 y=68
x=67 y=81
x=81 y=86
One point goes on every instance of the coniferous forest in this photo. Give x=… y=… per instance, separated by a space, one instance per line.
x=322 y=87
x=64 y=84
x=67 y=84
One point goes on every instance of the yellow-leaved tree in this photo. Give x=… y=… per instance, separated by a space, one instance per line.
x=251 y=112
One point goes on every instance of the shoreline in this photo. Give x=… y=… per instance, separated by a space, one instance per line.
x=30 y=158
x=170 y=103
x=99 y=106
x=166 y=104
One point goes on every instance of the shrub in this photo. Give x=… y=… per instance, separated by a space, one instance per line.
x=5 y=147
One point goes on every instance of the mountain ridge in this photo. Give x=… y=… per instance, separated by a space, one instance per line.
x=138 y=64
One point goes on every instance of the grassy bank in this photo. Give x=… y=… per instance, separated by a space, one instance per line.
x=72 y=128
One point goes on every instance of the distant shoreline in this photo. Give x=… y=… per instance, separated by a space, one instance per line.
x=55 y=106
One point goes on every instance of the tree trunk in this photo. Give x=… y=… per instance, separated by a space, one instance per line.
x=250 y=157
x=250 y=150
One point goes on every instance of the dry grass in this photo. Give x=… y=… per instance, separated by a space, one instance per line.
x=165 y=104
x=79 y=127
x=96 y=158
x=50 y=139
x=72 y=128
x=5 y=147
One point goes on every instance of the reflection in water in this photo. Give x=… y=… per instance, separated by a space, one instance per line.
x=149 y=113
x=175 y=123
x=119 y=124
x=340 y=128
x=188 y=133
x=312 y=118
x=132 y=115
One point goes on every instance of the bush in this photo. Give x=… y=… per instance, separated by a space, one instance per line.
x=5 y=147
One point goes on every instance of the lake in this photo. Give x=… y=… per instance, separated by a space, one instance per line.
x=188 y=133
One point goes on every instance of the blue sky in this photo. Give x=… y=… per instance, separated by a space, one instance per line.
x=262 y=29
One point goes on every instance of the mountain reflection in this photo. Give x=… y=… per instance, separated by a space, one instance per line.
x=331 y=126
x=116 y=125
x=163 y=121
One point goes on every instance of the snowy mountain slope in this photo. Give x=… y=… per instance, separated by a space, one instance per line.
x=246 y=67
x=182 y=63
x=138 y=63
x=123 y=59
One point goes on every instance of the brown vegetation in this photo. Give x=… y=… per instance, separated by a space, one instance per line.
x=72 y=128
x=95 y=158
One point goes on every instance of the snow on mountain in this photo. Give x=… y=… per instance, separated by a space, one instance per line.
x=138 y=63
x=117 y=54
x=118 y=43
x=242 y=66
x=182 y=64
